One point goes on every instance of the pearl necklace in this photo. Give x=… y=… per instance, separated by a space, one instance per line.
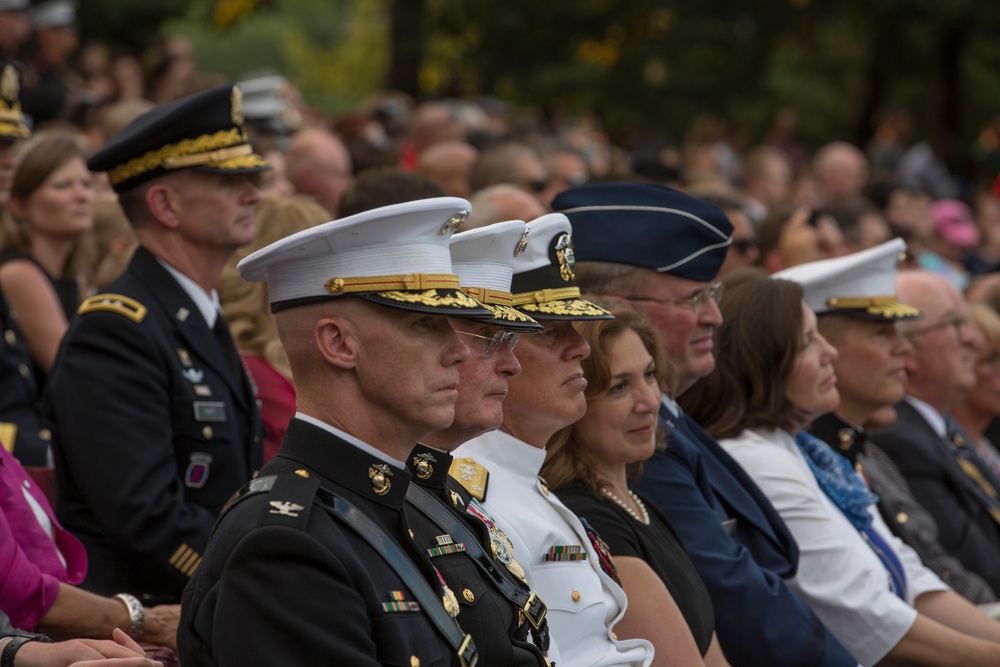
x=610 y=495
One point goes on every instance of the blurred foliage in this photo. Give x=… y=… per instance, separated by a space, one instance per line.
x=637 y=63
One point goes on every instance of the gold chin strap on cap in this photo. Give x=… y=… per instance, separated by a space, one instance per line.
x=546 y=295
x=413 y=281
x=182 y=161
x=887 y=306
x=485 y=295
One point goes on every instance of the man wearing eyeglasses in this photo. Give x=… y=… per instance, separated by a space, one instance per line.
x=497 y=607
x=942 y=468
x=661 y=250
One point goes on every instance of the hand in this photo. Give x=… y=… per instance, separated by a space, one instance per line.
x=122 y=652
x=160 y=626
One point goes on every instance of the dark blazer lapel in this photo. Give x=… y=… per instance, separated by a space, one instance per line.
x=742 y=496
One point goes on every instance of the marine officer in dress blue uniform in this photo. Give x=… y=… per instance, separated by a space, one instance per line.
x=155 y=423
x=313 y=562
x=661 y=249
x=449 y=522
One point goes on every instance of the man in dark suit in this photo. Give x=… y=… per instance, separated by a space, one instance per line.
x=155 y=422
x=313 y=562
x=854 y=298
x=945 y=474
x=661 y=249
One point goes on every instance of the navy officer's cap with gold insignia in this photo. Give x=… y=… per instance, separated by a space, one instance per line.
x=484 y=261
x=862 y=284
x=12 y=121
x=544 y=284
x=395 y=256
x=205 y=132
x=647 y=225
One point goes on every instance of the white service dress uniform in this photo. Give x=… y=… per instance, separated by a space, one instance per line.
x=552 y=546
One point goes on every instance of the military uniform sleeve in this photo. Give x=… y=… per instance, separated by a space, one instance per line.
x=110 y=402
x=760 y=621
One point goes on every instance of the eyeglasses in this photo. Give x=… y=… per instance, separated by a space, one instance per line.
x=743 y=246
x=537 y=185
x=501 y=336
x=696 y=303
x=954 y=320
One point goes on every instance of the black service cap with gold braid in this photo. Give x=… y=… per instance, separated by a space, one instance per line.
x=12 y=125
x=395 y=256
x=862 y=284
x=484 y=259
x=544 y=283
x=205 y=132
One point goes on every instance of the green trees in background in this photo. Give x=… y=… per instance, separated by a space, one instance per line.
x=641 y=63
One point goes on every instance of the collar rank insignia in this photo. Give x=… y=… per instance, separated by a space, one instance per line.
x=379 y=474
x=422 y=465
x=285 y=508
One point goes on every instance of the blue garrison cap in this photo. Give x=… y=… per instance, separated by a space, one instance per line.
x=647 y=225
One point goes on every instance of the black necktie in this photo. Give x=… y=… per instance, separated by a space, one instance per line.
x=221 y=331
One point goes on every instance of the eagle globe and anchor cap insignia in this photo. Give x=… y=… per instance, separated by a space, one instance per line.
x=522 y=244
x=379 y=474
x=566 y=257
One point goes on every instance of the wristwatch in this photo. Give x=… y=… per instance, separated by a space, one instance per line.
x=136 y=615
x=16 y=642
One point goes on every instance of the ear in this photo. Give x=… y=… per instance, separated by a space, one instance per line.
x=772 y=262
x=164 y=205
x=16 y=207
x=336 y=342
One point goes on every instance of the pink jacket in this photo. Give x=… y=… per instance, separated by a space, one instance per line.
x=30 y=569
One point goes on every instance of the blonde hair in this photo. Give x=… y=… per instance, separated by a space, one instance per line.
x=984 y=318
x=566 y=461
x=35 y=162
x=245 y=304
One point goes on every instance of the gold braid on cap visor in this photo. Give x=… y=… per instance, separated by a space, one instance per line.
x=218 y=147
x=884 y=306
x=498 y=303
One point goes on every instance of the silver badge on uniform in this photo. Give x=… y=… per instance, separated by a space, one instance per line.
x=193 y=375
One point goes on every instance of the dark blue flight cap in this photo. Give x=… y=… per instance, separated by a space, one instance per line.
x=205 y=131
x=647 y=225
